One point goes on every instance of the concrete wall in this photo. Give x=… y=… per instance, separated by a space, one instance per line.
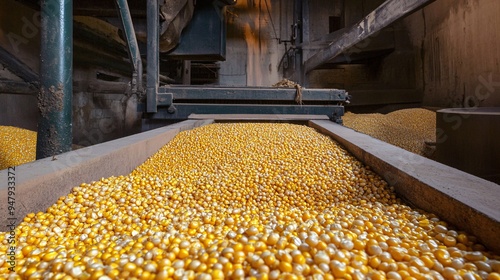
x=97 y=117
x=19 y=36
x=460 y=52
x=20 y=32
x=392 y=72
x=19 y=111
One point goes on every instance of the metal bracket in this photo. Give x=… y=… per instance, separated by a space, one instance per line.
x=165 y=99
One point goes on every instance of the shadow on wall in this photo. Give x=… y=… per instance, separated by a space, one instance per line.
x=21 y=111
x=459 y=146
x=99 y=118
x=459 y=46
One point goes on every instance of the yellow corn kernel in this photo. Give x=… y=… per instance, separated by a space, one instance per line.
x=255 y=201
x=407 y=129
x=17 y=146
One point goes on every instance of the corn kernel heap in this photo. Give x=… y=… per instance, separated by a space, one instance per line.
x=17 y=146
x=407 y=129
x=254 y=201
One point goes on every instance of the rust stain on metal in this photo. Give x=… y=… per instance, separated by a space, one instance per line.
x=42 y=104
x=51 y=100
x=53 y=141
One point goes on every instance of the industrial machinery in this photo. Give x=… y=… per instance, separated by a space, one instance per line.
x=204 y=38
x=174 y=102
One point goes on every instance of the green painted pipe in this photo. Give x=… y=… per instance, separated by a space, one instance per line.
x=56 y=81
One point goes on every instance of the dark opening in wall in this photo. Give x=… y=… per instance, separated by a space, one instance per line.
x=106 y=77
x=335 y=23
x=204 y=72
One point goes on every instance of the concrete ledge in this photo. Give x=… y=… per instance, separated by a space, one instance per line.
x=463 y=200
x=39 y=184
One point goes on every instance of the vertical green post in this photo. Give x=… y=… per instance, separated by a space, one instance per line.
x=56 y=81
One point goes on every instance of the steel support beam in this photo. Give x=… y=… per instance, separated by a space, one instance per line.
x=384 y=15
x=13 y=87
x=251 y=93
x=56 y=81
x=133 y=47
x=182 y=111
x=18 y=68
x=153 y=45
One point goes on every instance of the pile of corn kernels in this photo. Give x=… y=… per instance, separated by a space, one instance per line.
x=408 y=129
x=243 y=201
x=17 y=146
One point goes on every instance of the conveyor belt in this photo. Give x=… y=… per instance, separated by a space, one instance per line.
x=464 y=200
